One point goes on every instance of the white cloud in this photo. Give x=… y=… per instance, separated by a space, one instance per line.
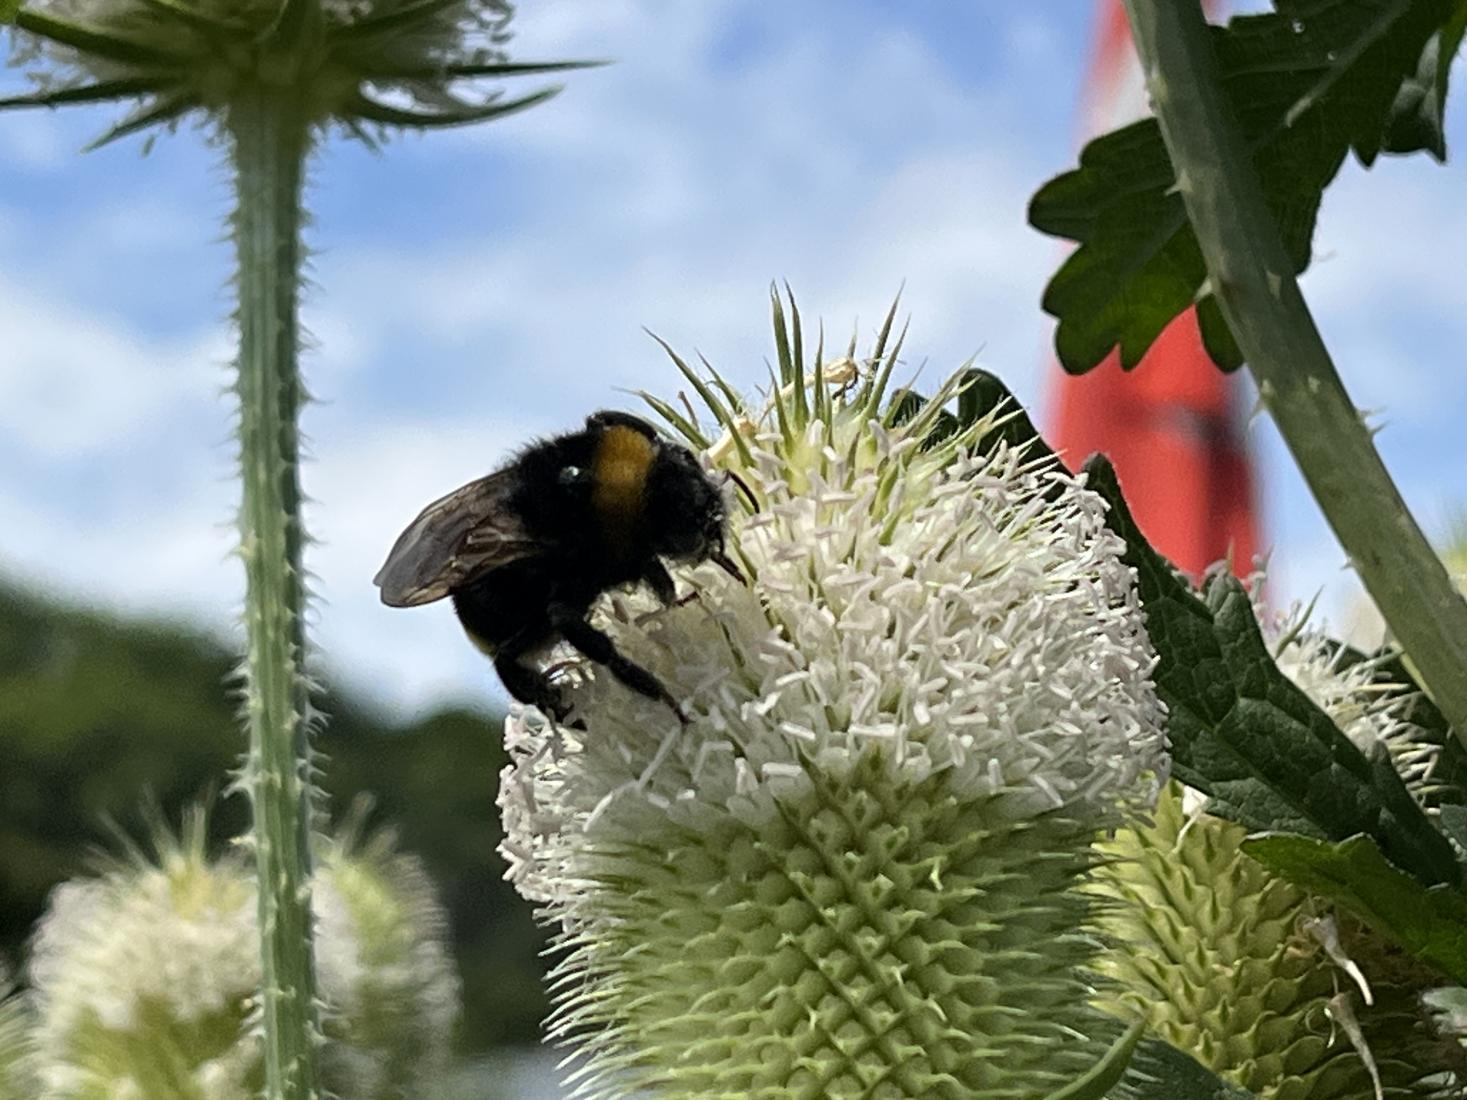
x=1386 y=279
x=75 y=384
x=366 y=485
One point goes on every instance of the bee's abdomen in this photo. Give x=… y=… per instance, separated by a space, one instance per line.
x=507 y=605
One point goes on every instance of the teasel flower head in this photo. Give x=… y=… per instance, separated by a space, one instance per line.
x=145 y=976
x=16 y=1059
x=857 y=869
x=388 y=980
x=366 y=65
x=1270 y=987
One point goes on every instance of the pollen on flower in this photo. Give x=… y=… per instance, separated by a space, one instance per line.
x=858 y=861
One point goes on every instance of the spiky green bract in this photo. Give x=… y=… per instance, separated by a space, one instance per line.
x=856 y=871
x=145 y=978
x=17 y=1080
x=1249 y=974
x=368 y=65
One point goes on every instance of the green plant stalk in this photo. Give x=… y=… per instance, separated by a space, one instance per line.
x=1253 y=278
x=271 y=140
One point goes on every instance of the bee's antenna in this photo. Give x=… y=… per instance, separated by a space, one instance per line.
x=744 y=485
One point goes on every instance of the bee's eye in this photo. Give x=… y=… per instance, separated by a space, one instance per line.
x=571 y=475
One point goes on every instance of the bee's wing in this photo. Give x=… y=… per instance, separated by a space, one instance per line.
x=457 y=537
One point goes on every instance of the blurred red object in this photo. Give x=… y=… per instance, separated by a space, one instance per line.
x=1174 y=426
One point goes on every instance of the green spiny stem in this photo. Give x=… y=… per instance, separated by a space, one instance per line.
x=1253 y=279
x=270 y=145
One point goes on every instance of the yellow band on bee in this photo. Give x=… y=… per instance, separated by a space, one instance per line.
x=619 y=479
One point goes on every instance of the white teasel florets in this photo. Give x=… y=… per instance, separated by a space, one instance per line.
x=16 y=1055
x=858 y=869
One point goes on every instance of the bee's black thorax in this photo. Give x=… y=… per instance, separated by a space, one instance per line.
x=582 y=496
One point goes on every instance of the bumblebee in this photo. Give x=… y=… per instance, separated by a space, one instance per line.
x=526 y=551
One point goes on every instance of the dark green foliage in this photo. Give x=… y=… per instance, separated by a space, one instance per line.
x=1098 y=1082
x=98 y=715
x=1306 y=83
x=1244 y=734
x=1417 y=117
x=1429 y=923
x=1162 y=1072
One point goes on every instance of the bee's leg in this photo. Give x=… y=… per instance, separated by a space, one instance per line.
x=599 y=648
x=660 y=581
x=530 y=685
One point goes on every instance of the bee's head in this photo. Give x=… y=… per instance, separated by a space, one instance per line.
x=685 y=509
x=652 y=493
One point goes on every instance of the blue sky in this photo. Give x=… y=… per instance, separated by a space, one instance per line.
x=478 y=287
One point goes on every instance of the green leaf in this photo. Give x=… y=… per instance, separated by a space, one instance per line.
x=1454 y=824
x=97 y=41
x=1307 y=83
x=1107 y=1072
x=9 y=9
x=1431 y=923
x=1243 y=733
x=1162 y=1072
x=981 y=393
x=90 y=93
x=385 y=114
x=1417 y=119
